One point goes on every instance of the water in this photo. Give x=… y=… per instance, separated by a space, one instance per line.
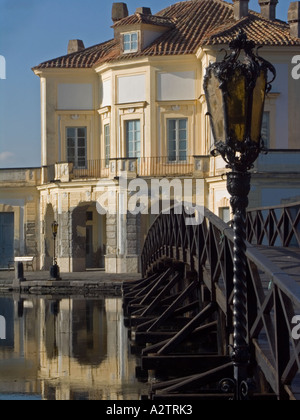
x=66 y=349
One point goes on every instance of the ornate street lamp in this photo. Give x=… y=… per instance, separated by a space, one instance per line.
x=54 y=270
x=235 y=91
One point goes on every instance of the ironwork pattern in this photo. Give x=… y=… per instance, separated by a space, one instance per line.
x=273 y=297
x=274 y=226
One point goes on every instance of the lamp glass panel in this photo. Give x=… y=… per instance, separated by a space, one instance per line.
x=258 y=107
x=54 y=227
x=216 y=108
x=237 y=100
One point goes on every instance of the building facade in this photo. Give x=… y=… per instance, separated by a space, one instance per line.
x=132 y=110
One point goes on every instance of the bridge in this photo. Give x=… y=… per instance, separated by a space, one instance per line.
x=180 y=315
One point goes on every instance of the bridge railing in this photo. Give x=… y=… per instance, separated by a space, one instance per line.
x=274 y=226
x=273 y=297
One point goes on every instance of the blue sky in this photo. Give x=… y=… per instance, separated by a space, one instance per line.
x=32 y=31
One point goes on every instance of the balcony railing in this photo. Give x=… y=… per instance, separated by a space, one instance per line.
x=94 y=169
x=164 y=166
x=144 y=167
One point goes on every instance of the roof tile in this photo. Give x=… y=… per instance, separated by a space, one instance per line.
x=145 y=19
x=192 y=24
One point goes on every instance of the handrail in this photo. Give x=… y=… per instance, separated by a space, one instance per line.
x=273 y=296
x=281 y=206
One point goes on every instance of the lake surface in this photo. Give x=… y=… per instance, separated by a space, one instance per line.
x=66 y=349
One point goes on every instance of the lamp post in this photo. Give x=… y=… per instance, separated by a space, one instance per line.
x=235 y=91
x=54 y=270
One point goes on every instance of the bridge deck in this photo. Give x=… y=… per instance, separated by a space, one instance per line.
x=203 y=255
x=287 y=259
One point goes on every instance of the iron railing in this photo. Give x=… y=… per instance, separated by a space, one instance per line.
x=273 y=297
x=164 y=166
x=98 y=168
x=161 y=166
x=274 y=226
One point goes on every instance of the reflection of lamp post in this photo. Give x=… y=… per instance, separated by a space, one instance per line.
x=235 y=92
x=54 y=271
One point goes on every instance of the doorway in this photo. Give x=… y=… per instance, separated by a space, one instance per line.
x=89 y=247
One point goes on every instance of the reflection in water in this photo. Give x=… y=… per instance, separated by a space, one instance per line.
x=67 y=349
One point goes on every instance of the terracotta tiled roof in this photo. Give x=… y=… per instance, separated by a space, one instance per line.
x=146 y=19
x=260 y=30
x=85 y=58
x=193 y=24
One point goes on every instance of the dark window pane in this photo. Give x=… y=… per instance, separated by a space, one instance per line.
x=182 y=156
x=71 y=142
x=81 y=163
x=81 y=142
x=71 y=132
x=182 y=124
x=82 y=132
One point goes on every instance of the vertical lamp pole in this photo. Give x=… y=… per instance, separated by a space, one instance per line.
x=235 y=91
x=54 y=271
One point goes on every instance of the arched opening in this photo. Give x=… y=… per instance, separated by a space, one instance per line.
x=88 y=238
x=89 y=326
x=48 y=238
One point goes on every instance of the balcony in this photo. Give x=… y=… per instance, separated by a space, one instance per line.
x=20 y=177
x=197 y=166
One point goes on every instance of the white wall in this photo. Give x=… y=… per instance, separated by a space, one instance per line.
x=131 y=89
x=176 y=86
x=149 y=37
x=106 y=93
x=75 y=96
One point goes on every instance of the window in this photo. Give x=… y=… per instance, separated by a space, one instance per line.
x=133 y=138
x=76 y=146
x=107 y=144
x=130 y=42
x=265 y=131
x=177 y=140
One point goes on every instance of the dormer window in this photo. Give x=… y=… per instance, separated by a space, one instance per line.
x=130 y=42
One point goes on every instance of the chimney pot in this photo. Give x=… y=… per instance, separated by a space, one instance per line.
x=294 y=19
x=268 y=8
x=144 y=10
x=75 y=45
x=119 y=11
x=241 y=8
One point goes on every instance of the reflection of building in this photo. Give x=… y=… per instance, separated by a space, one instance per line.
x=19 y=361
x=136 y=104
x=6 y=323
x=84 y=351
x=67 y=349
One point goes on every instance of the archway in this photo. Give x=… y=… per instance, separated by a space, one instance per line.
x=88 y=237
x=48 y=238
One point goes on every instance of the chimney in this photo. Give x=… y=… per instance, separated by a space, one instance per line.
x=241 y=8
x=268 y=8
x=75 y=45
x=144 y=10
x=119 y=11
x=294 y=19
